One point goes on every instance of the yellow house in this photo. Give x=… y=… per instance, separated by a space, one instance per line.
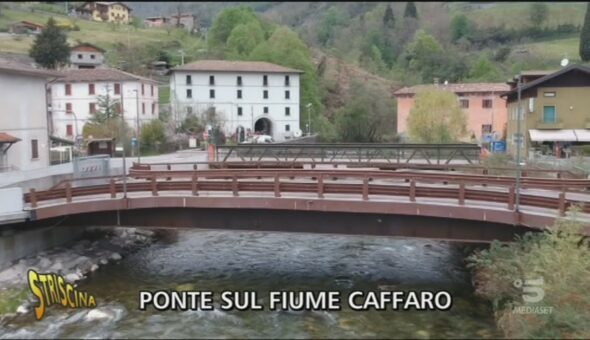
x=102 y=11
x=555 y=111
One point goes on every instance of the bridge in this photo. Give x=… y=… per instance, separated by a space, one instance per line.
x=466 y=207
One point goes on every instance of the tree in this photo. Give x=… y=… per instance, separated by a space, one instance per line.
x=484 y=70
x=153 y=134
x=436 y=118
x=107 y=108
x=244 y=38
x=226 y=21
x=460 y=27
x=331 y=20
x=556 y=260
x=410 y=11
x=389 y=18
x=538 y=13
x=423 y=55
x=368 y=116
x=585 y=36
x=50 y=48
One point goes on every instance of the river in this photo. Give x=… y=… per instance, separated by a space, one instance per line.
x=232 y=260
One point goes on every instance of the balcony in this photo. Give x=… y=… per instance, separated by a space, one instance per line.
x=545 y=125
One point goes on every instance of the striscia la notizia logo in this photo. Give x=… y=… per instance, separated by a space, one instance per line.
x=52 y=289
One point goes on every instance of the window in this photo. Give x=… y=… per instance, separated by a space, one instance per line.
x=90 y=88
x=486 y=128
x=92 y=56
x=287 y=95
x=189 y=110
x=69 y=130
x=189 y=93
x=142 y=108
x=486 y=103
x=68 y=89
x=34 y=149
x=142 y=89
x=265 y=94
x=287 y=111
x=464 y=103
x=265 y=110
x=239 y=94
x=68 y=107
x=239 y=80
x=211 y=80
x=92 y=107
x=79 y=56
x=118 y=107
x=189 y=80
x=549 y=114
x=287 y=81
x=549 y=94
x=211 y=93
x=265 y=80
x=239 y=111
x=287 y=127
x=153 y=109
x=152 y=90
x=117 y=88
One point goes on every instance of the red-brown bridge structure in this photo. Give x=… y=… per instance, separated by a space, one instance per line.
x=436 y=205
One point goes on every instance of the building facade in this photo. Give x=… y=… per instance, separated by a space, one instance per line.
x=24 y=141
x=554 y=111
x=485 y=109
x=86 y=56
x=247 y=97
x=76 y=96
x=103 y=11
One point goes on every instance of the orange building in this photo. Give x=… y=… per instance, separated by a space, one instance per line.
x=486 y=111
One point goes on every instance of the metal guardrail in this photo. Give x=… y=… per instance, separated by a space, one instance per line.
x=390 y=153
x=322 y=182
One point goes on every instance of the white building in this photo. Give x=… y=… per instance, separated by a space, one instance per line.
x=24 y=143
x=246 y=96
x=86 y=56
x=74 y=98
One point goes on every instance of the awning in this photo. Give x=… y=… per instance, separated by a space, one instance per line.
x=6 y=138
x=577 y=135
x=583 y=135
x=553 y=135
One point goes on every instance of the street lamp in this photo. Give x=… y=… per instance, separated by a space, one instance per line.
x=137 y=130
x=308 y=118
x=519 y=140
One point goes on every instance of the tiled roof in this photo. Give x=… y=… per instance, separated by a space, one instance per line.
x=6 y=138
x=98 y=74
x=457 y=88
x=13 y=65
x=235 y=66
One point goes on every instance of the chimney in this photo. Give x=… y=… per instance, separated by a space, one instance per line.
x=436 y=81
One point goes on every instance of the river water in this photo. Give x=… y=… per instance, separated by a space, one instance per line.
x=231 y=260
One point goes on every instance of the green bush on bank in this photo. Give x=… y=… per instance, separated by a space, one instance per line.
x=560 y=257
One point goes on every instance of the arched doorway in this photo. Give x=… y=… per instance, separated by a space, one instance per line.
x=263 y=127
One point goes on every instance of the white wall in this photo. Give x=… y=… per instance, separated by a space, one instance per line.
x=23 y=114
x=81 y=99
x=86 y=58
x=226 y=102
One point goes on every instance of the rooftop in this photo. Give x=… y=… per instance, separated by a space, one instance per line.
x=16 y=65
x=6 y=138
x=96 y=74
x=457 y=88
x=235 y=66
x=571 y=68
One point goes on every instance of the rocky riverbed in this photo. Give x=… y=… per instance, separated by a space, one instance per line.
x=99 y=247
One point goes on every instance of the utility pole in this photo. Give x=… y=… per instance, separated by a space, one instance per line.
x=308 y=119
x=137 y=126
x=519 y=140
x=123 y=140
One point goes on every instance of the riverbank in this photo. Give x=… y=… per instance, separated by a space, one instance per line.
x=74 y=261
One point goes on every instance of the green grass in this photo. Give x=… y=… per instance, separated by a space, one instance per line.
x=555 y=50
x=104 y=35
x=516 y=15
x=164 y=94
x=11 y=298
